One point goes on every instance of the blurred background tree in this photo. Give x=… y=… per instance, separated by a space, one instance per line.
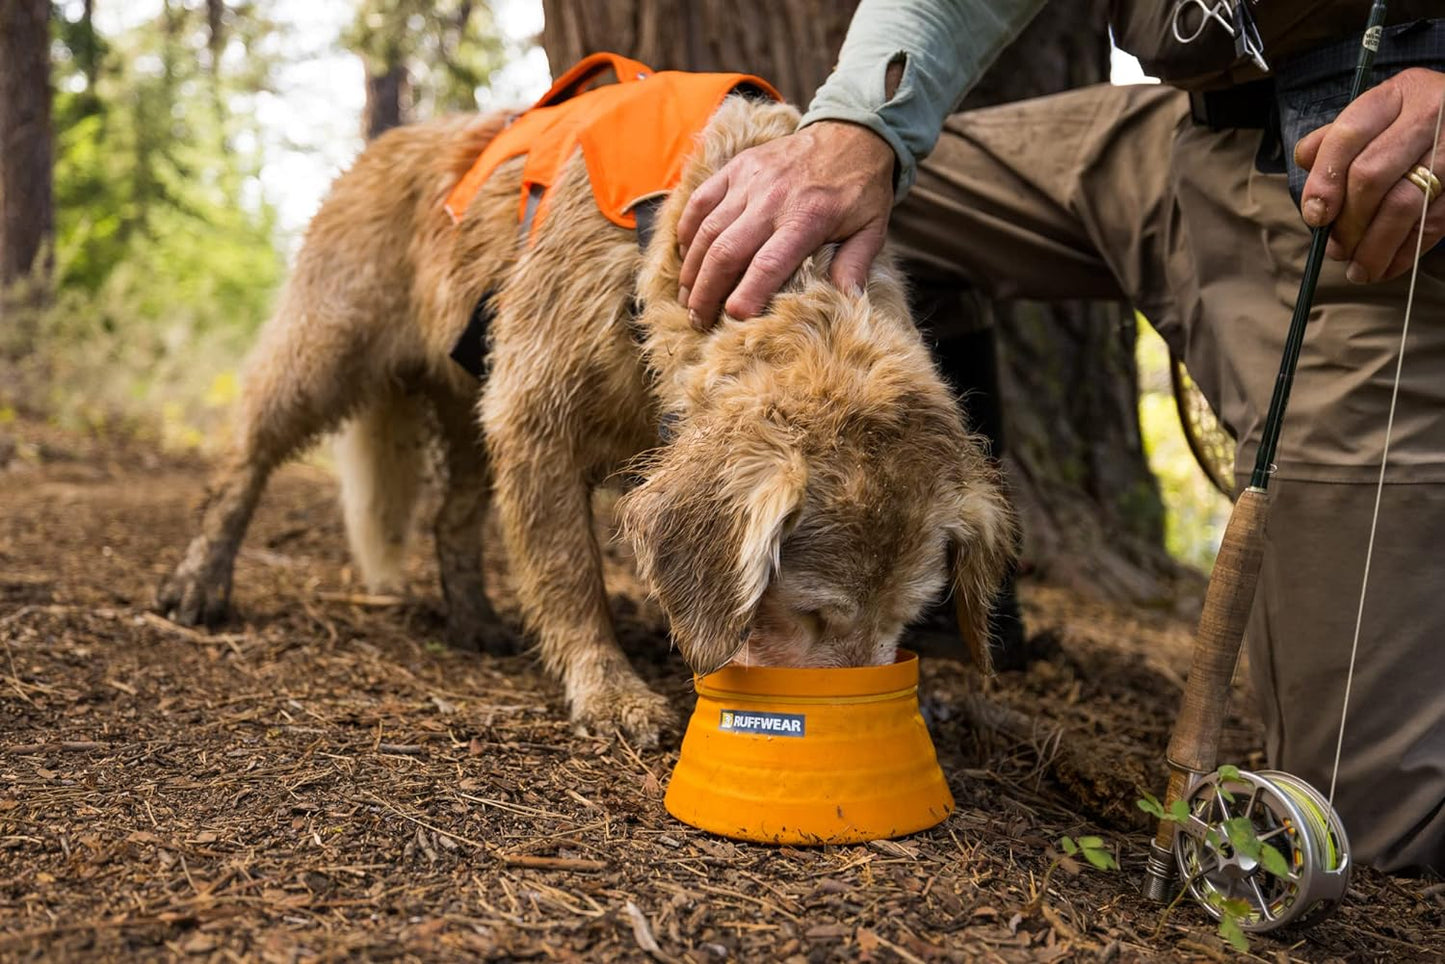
x=26 y=209
x=422 y=58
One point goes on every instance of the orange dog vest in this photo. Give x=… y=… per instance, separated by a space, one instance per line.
x=635 y=135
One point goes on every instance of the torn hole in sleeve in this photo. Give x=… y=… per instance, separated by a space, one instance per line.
x=893 y=75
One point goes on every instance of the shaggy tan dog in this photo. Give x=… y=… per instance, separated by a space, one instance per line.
x=817 y=489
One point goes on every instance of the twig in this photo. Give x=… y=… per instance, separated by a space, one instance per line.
x=642 y=932
x=66 y=746
x=902 y=952
x=534 y=862
x=362 y=599
x=176 y=629
x=478 y=845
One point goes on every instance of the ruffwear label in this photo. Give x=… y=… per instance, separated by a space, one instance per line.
x=768 y=724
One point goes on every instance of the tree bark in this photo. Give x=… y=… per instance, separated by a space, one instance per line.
x=26 y=189
x=1091 y=509
x=384 y=94
x=790 y=42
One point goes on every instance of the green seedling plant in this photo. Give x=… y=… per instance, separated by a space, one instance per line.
x=1092 y=849
x=1241 y=838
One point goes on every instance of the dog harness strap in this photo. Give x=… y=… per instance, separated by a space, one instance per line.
x=588 y=69
x=529 y=211
x=470 y=351
x=645 y=212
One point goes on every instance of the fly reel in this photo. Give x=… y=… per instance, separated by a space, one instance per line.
x=1218 y=849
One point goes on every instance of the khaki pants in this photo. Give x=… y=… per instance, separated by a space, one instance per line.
x=1112 y=192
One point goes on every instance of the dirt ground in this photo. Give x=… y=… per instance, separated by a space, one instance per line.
x=323 y=779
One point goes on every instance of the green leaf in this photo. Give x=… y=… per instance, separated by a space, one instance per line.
x=1179 y=811
x=1273 y=861
x=1242 y=836
x=1101 y=859
x=1091 y=843
x=1069 y=846
x=1236 y=907
x=1230 y=931
x=1150 y=804
x=1228 y=772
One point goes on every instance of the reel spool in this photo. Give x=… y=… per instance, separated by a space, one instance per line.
x=1284 y=812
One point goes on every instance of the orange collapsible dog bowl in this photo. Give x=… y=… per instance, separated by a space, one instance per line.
x=809 y=756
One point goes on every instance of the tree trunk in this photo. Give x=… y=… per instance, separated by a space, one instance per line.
x=790 y=42
x=384 y=92
x=26 y=201
x=1092 y=514
x=1093 y=518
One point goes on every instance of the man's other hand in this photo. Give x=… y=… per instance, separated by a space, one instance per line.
x=1358 y=175
x=748 y=227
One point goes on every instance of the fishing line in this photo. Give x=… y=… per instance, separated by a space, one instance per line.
x=1385 y=457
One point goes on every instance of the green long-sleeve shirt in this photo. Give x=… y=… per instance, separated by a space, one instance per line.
x=945 y=46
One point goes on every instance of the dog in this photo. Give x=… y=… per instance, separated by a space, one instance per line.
x=805 y=484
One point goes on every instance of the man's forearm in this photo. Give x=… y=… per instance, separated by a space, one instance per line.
x=943 y=46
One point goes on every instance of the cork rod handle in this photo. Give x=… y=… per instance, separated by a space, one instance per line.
x=1194 y=746
x=1195 y=743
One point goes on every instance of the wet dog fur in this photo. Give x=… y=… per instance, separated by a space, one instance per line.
x=818 y=488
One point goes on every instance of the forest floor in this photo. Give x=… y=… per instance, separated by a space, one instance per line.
x=323 y=779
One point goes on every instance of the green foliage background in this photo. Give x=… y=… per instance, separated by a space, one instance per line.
x=167 y=255
x=1195 y=512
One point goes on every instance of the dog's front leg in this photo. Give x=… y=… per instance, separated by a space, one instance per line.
x=542 y=495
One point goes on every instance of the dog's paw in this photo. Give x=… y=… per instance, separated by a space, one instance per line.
x=636 y=712
x=197 y=593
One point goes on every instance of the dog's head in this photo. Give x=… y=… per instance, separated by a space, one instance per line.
x=821 y=491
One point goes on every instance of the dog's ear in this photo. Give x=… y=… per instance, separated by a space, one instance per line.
x=982 y=543
x=706 y=527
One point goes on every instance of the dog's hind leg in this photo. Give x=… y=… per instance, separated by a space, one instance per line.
x=471 y=621
x=305 y=375
x=379 y=457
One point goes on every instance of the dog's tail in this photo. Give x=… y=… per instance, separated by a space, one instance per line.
x=380 y=455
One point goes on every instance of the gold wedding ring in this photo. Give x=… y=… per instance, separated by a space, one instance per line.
x=1423 y=178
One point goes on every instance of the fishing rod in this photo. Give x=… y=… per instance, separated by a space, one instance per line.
x=1203 y=842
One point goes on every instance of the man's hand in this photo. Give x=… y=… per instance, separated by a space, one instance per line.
x=1358 y=167
x=772 y=206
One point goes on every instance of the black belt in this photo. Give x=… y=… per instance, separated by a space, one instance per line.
x=1244 y=106
x=1305 y=79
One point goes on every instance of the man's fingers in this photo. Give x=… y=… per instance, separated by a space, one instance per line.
x=1309 y=146
x=1387 y=233
x=1375 y=180
x=726 y=259
x=1434 y=231
x=1357 y=125
x=700 y=205
x=773 y=265
x=722 y=217
x=855 y=256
